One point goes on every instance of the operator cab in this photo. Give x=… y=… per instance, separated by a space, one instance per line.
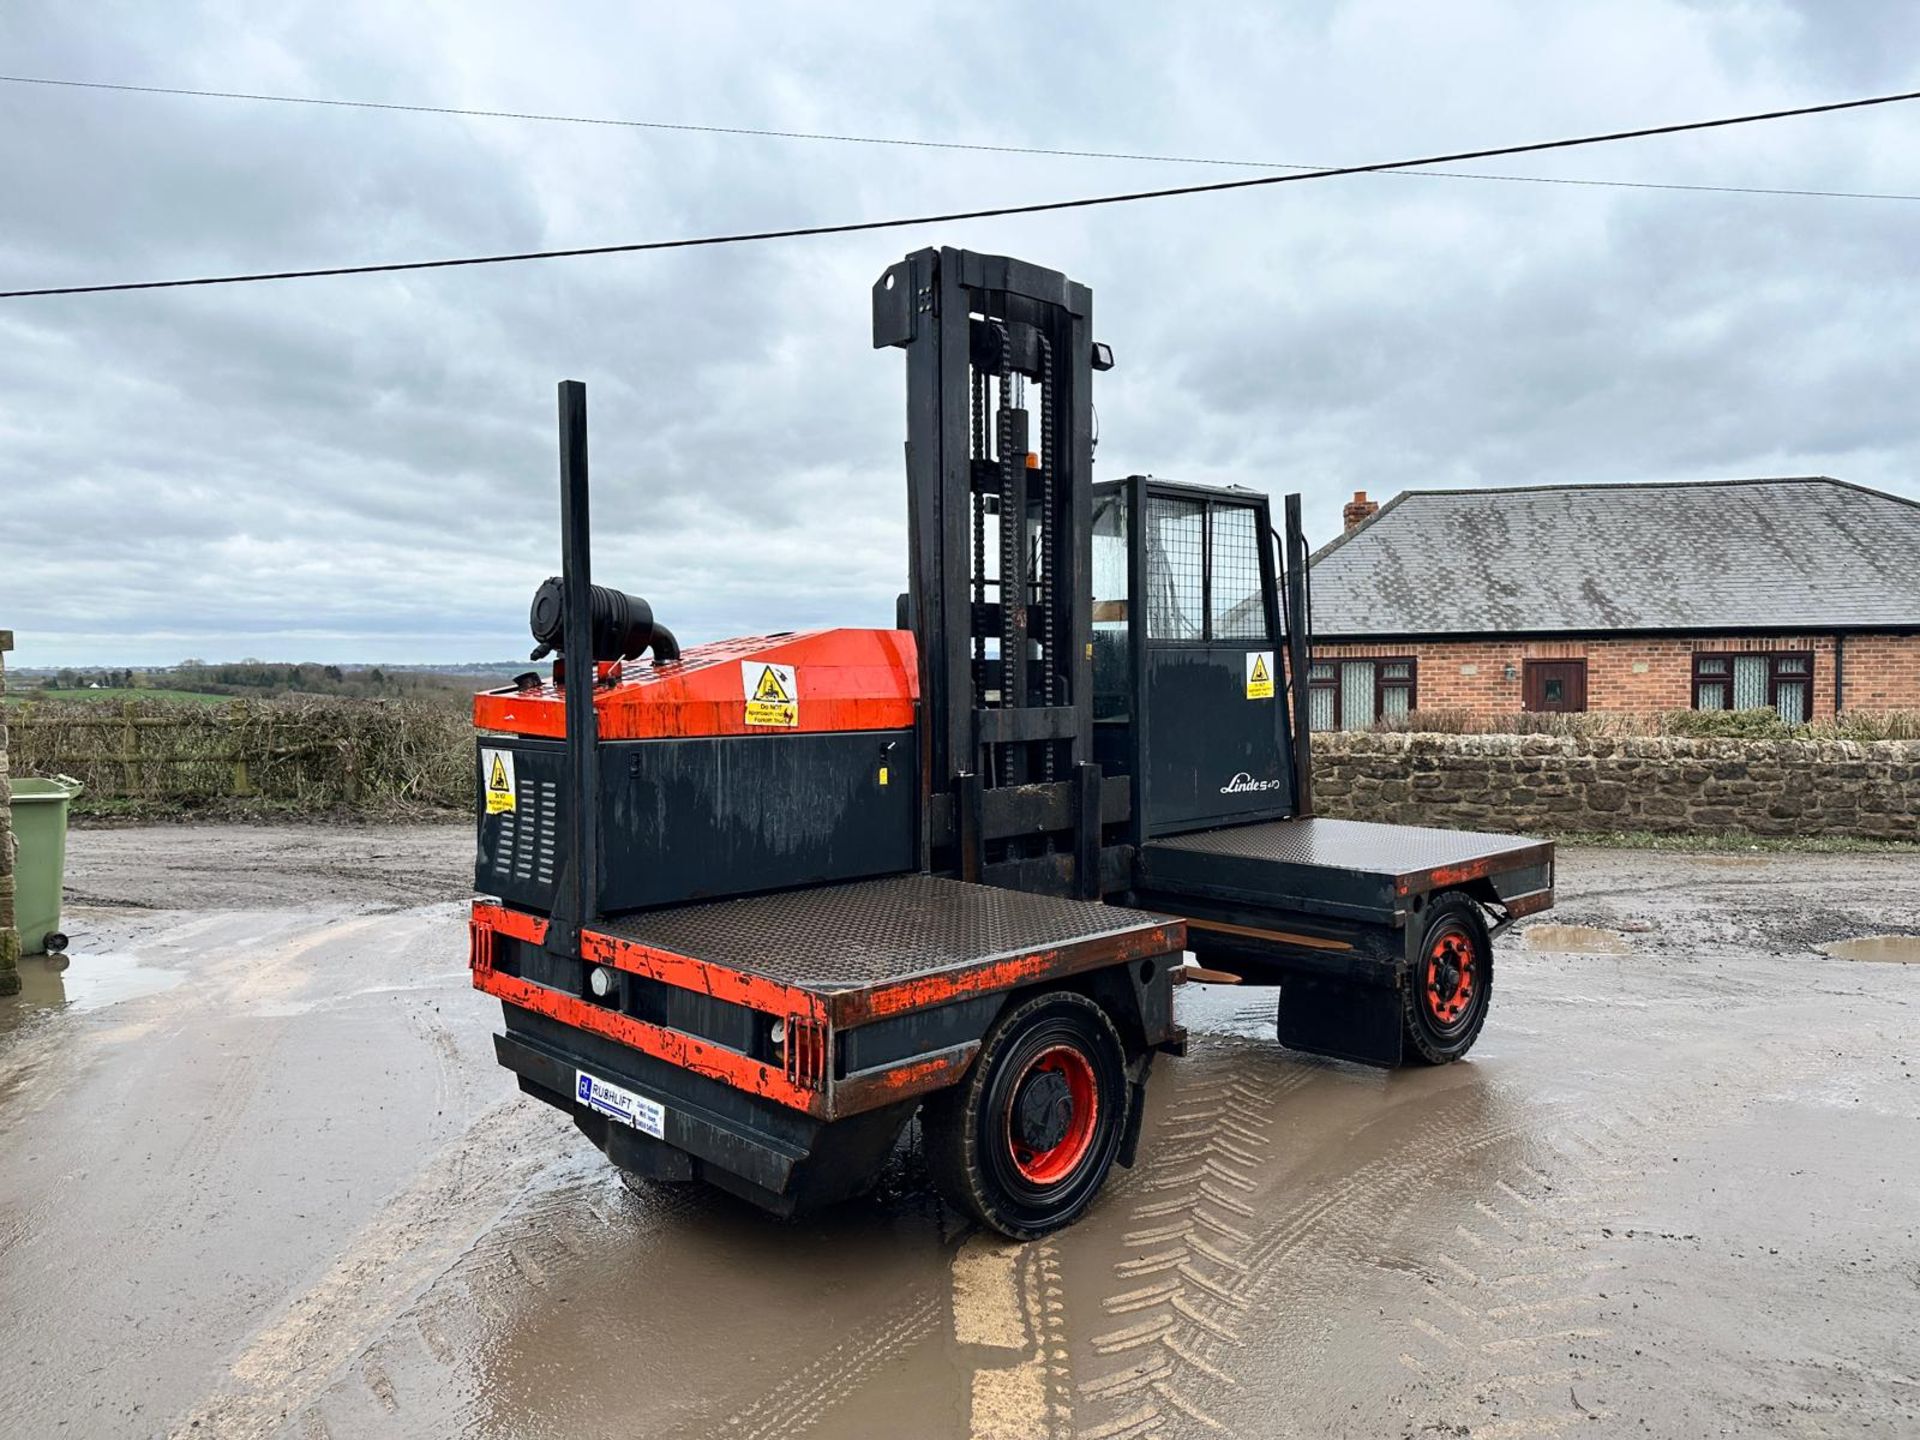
x=1189 y=692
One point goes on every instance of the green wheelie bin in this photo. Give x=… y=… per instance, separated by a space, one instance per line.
x=40 y=860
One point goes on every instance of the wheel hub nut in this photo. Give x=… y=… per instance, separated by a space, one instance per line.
x=1043 y=1111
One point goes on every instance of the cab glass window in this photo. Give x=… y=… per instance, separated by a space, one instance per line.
x=1176 y=550
x=1112 y=664
x=1236 y=607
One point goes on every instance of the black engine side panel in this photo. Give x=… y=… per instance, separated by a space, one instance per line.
x=706 y=816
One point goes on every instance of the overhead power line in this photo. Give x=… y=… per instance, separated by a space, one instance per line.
x=919 y=144
x=995 y=212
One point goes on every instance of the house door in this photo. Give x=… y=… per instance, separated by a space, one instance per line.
x=1556 y=686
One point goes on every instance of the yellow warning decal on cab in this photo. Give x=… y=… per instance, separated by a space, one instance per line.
x=772 y=696
x=497 y=767
x=1259 y=674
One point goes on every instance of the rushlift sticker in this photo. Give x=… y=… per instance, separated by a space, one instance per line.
x=772 y=697
x=497 y=766
x=649 y=1117
x=1260 y=675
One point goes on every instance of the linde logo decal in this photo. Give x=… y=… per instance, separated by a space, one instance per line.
x=1243 y=784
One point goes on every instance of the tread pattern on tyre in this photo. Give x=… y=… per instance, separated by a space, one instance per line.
x=953 y=1153
x=1422 y=1048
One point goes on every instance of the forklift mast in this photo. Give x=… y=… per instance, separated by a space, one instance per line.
x=1000 y=357
x=1035 y=778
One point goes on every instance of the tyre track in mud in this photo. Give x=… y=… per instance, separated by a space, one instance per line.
x=1186 y=1351
x=806 y=1396
x=1204 y=1273
x=1199 y=1329
x=803 y=1397
x=413 y=1368
x=1509 y=1316
x=414 y=1238
x=1208 y=1264
x=442 y=1353
x=1188 y=1225
x=1190 y=1254
x=1502 y=1317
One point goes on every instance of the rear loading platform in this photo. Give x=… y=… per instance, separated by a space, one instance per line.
x=1374 y=932
x=776 y=1045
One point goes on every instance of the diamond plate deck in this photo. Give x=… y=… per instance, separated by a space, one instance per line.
x=1348 y=869
x=1348 y=845
x=870 y=932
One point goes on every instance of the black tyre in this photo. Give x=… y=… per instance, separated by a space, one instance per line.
x=1024 y=1142
x=54 y=943
x=1445 y=998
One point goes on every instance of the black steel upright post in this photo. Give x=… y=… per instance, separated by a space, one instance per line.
x=1139 y=627
x=1024 y=718
x=1299 y=659
x=583 y=770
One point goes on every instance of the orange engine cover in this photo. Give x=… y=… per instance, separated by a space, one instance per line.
x=757 y=685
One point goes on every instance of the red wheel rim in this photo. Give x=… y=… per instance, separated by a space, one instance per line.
x=1450 y=976
x=1057 y=1161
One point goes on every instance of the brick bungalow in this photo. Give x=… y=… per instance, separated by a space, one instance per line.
x=1800 y=594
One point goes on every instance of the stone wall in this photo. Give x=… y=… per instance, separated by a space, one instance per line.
x=1555 y=784
x=9 y=940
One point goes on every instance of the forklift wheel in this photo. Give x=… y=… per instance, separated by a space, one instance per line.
x=1025 y=1141
x=1446 y=996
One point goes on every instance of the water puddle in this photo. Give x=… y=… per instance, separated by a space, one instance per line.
x=1576 y=940
x=1243 y=1010
x=1888 y=949
x=86 y=982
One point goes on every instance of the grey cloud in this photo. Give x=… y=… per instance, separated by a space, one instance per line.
x=364 y=469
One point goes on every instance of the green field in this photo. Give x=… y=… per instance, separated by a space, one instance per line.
x=106 y=694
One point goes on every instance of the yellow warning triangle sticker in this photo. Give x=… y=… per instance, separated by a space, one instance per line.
x=497 y=776
x=770 y=687
x=1259 y=674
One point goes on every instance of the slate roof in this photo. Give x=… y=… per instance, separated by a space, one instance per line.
x=1790 y=554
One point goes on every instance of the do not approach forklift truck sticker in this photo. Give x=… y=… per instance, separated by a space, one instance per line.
x=1260 y=675
x=497 y=766
x=772 y=696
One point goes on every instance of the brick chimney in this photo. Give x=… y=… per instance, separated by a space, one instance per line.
x=1359 y=508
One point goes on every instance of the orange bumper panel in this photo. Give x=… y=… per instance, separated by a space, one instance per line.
x=853 y=1007
x=702 y=977
x=688 y=1052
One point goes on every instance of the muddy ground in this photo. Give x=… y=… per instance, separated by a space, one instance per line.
x=260 y=1175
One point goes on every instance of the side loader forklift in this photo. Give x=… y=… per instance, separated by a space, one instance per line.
x=751 y=905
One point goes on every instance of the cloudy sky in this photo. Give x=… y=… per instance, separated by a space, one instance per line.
x=364 y=469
